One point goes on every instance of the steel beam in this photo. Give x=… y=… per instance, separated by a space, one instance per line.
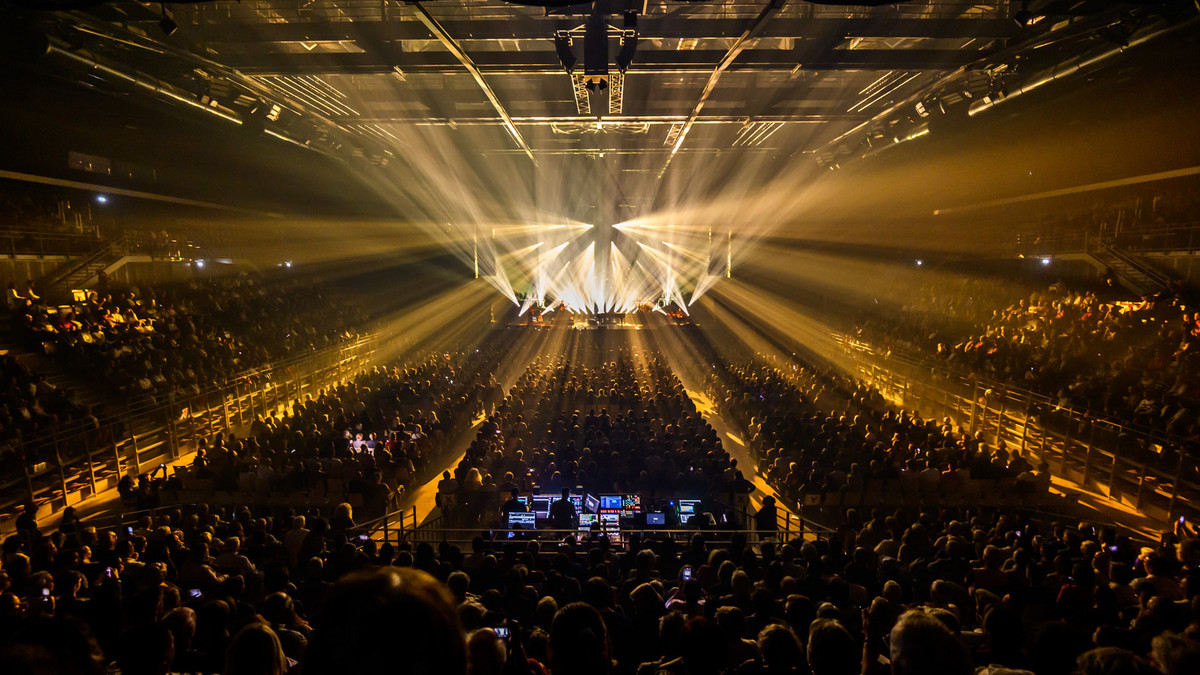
x=649 y=60
x=583 y=103
x=544 y=120
x=649 y=28
x=463 y=58
x=735 y=50
x=616 y=92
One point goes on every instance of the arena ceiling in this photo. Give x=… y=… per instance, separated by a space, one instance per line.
x=709 y=84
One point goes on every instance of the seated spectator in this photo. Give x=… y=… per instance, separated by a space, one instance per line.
x=922 y=644
x=372 y=618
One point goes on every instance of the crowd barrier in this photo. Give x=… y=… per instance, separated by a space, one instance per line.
x=435 y=533
x=442 y=526
x=1143 y=468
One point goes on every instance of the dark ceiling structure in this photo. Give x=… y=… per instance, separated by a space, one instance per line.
x=652 y=85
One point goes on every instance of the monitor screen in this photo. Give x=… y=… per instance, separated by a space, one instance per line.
x=656 y=519
x=522 y=519
x=577 y=500
x=524 y=500
x=541 y=505
x=631 y=502
x=688 y=507
x=591 y=504
x=610 y=502
x=610 y=520
x=586 y=520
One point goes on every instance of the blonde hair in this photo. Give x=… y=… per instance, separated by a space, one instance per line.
x=255 y=650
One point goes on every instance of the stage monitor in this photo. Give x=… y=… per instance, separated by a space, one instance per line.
x=658 y=519
x=586 y=520
x=610 y=502
x=688 y=508
x=591 y=504
x=610 y=520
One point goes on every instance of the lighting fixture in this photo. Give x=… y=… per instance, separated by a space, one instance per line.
x=562 y=45
x=629 y=39
x=595 y=43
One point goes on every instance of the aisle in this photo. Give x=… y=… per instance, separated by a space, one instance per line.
x=735 y=445
x=423 y=497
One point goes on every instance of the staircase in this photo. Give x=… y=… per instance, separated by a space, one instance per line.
x=1133 y=272
x=78 y=272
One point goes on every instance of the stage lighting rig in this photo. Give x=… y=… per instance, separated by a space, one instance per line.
x=595 y=47
x=596 y=75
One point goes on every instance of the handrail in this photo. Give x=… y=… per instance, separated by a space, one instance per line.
x=1149 y=271
x=497 y=533
x=105 y=249
x=38 y=242
x=384 y=522
x=1172 y=237
x=1173 y=228
x=783 y=518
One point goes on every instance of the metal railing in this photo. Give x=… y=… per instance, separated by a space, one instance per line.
x=106 y=250
x=1183 y=238
x=438 y=527
x=1098 y=247
x=437 y=533
x=1174 y=238
x=84 y=458
x=95 y=253
x=1138 y=466
x=35 y=242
